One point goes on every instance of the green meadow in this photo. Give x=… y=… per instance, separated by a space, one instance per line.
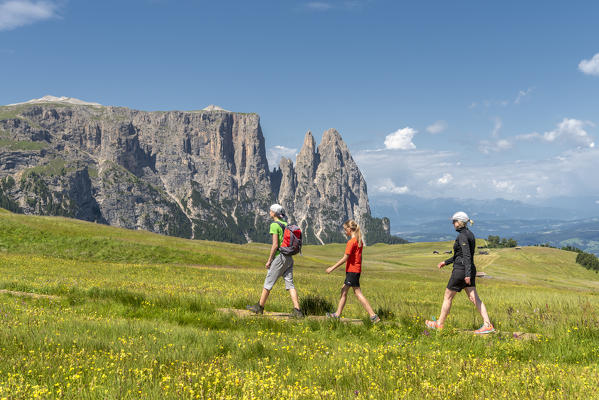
x=89 y=311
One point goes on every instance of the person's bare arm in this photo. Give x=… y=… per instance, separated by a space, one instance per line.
x=341 y=261
x=273 y=249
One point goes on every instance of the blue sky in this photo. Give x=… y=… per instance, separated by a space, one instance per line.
x=463 y=99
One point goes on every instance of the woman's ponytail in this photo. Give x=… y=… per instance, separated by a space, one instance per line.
x=355 y=228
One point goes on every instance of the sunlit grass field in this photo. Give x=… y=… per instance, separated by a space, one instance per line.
x=134 y=315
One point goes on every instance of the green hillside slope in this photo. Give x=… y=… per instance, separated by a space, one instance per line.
x=131 y=314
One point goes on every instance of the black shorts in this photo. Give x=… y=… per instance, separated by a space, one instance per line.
x=457 y=282
x=352 y=279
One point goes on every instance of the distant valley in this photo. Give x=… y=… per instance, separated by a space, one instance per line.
x=559 y=222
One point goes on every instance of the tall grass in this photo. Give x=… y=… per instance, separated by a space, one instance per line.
x=145 y=323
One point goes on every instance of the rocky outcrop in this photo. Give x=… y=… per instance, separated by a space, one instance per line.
x=198 y=174
x=325 y=189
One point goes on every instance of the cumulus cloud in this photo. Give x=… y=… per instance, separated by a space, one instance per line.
x=437 y=127
x=275 y=153
x=387 y=186
x=568 y=129
x=590 y=67
x=420 y=170
x=401 y=139
x=16 y=13
x=445 y=179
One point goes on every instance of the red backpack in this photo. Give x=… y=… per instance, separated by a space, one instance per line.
x=292 y=239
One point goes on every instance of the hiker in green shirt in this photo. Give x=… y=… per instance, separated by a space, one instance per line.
x=278 y=265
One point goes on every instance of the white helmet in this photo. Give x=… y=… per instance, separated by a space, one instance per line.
x=460 y=216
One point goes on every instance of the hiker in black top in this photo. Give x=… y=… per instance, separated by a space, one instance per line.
x=463 y=253
x=463 y=275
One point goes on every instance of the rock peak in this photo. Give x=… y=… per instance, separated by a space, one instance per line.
x=309 y=140
x=212 y=107
x=331 y=135
x=54 y=99
x=285 y=162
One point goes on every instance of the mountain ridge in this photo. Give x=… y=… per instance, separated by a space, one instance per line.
x=198 y=174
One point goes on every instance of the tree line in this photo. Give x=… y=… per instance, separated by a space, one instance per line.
x=587 y=260
x=495 y=242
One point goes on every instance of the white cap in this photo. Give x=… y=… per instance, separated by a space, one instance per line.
x=460 y=216
x=277 y=209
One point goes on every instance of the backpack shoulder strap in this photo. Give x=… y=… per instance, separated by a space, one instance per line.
x=282 y=225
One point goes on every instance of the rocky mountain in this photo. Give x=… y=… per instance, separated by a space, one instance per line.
x=197 y=174
x=324 y=188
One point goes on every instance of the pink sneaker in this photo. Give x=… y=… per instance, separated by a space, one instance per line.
x=433 y=325
x=484 y=329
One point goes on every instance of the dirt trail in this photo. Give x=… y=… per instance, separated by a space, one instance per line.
x=288 y=317
x=27 y=294
x=282 y=316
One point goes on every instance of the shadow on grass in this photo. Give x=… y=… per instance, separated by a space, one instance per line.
x=315 y=305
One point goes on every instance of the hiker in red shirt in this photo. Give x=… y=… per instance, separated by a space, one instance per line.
x=353 y=269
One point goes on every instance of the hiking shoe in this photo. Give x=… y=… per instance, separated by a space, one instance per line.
x=297 y=313
x=332 y=315
x=433 y=325
x=256 y=308
x=375 y=319
x=484 y=329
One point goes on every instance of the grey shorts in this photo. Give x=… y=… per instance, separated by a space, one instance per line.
x=281 y=266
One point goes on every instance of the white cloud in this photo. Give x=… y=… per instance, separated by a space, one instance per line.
x=568 y=129
x=521 y=95
x=487 y=147
x=437 y=127
x=564 y=175
x=16 y=13
x=319 y=6
x=505 y=186
x=401 y=139
x=275 y=153
x=571 y=128
x=445 y=179
x=590 y=67
x=387 y=186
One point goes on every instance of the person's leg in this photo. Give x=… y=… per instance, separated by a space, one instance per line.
x=480 y=306
x=288 y=278
x=264 y=297
x=363 y=301
x=342 y=300
x=446 y=307
x=273 y=274
x=294 y=299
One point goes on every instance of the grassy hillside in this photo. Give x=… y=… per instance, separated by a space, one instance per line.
x=134 y=315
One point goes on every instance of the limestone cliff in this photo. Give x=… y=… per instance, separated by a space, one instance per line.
x=325 y=189
x=197 y=174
